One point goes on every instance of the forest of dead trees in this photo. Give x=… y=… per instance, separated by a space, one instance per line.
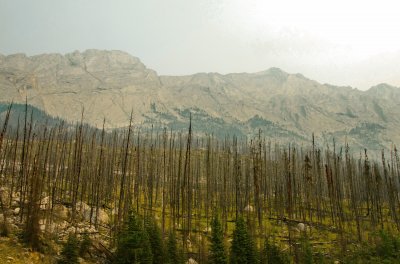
x=183 y=180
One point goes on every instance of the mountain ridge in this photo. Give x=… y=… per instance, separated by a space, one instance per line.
x=289 y=107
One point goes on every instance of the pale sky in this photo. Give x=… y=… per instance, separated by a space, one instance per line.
x=340 y=42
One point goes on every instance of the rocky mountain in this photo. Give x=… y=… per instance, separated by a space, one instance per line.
x=286 y=107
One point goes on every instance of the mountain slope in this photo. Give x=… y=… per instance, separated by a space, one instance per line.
x=287 y=107
x=17 y=114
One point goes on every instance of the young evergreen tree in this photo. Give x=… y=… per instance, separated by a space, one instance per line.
x=388 y=247
x=85 y=245
x=133 y=244
x=271 y=254
x=384 y=248
x=173 y=256
x=217 y=250
x=156 y=242
x=69 y=254
x=242 y=248
x=4 y=229
x=306 y=253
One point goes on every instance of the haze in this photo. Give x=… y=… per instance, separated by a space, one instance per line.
x=339 y=42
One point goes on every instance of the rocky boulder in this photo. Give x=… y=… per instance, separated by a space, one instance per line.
x=249 y=208
x=61 y=211
x=5 y=195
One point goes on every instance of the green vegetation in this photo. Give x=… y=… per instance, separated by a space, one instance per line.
x=151 y=197
x=306 y=253
x=156 y=241
x=173 y=254
x=18 y=111
x=217 y=248
x=242 y=249
x=69 y=254
x=272 y=254
x=85 y=245
x=383 y=248
x=133 y=244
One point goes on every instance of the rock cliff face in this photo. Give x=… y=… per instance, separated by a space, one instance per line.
x=104 y=84
x=286 y=107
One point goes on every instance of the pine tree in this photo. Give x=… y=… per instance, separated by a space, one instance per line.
x=146 y=256
x=133 y=244
x=157 y=247
x=388 y=246
x=272 y=254
x=242 y=248
x=173 y=256
x=69 y=254
x=217 y=251
x=306 y=254
x=85 y=245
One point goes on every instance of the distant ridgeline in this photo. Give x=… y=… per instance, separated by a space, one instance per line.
x=203 y=125
x=39 y=117
x=285 y=107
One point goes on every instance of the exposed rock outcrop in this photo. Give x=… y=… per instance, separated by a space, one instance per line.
x=287 y=107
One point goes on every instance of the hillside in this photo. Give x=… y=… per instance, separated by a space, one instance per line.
x=286 y=107
x=38 y=116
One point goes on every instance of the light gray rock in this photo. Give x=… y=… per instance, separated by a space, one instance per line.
x=301 y=227
x=45 y=203
x=103 y=217
x=249 y=208
x=63 y=225
x=288 y=107
x=5 y=195
x=191 y=261
x=16 y=211
x=61 y=211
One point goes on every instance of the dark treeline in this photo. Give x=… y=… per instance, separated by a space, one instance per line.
x=184 y=180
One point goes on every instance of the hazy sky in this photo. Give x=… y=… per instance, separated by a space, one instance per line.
x=341 y=42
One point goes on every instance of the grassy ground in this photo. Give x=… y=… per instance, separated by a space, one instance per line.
x=11 y=251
